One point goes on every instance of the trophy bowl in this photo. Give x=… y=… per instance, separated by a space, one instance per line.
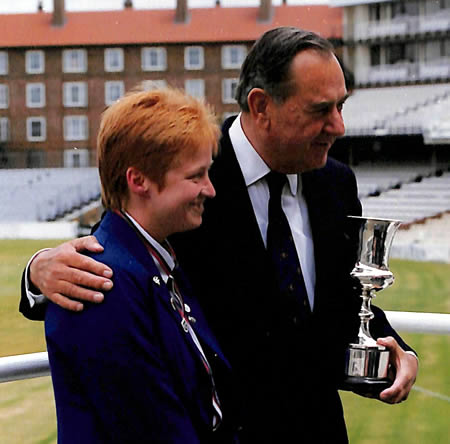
x=367 y=363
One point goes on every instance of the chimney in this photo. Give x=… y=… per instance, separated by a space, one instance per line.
x=58 y=18
x=265 y=11
x=181 y=13
x=128 y=4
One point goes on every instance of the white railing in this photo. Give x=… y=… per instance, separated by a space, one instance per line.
x=35 y=365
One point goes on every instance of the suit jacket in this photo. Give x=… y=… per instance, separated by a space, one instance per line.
x=125 y=371
x=287 y=371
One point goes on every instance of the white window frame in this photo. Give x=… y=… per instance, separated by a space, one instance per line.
x=195 y=88
x=227 y=88
x=74 y=60
x=4 y=129
x=161 y=56
x=29 y=95
x=109 y=87
x=4 y=63
x=150 y=85
x=188 y=64
x=81 y=133
x=82 y=154
x=29 y=68
x=68 y=101
x=4 y=96
x=43 y=122
x=227 y=63
x=113 y=55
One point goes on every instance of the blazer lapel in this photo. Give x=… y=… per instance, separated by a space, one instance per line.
x=138 y=250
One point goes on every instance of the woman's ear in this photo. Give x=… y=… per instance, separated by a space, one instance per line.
x=138 y=183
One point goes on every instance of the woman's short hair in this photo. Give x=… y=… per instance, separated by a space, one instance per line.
x=149 y=130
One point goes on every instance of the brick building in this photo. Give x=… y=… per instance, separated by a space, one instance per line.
x=58 y=71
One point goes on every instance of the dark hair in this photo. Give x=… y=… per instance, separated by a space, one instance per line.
x=268 y=62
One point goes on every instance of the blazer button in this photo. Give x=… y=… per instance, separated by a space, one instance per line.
x=267 y=334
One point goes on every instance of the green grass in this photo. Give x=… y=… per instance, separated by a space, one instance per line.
x=27 y=411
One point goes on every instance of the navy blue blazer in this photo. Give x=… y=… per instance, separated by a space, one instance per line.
x=125 y=371
x=287 y=372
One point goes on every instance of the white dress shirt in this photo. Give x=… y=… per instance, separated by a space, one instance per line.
x=293 y=203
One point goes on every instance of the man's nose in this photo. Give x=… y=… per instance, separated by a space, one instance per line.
x=335 y=124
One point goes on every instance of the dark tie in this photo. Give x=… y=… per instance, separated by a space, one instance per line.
x=282 y=251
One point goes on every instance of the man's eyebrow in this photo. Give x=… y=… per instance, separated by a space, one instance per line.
x=325 y=104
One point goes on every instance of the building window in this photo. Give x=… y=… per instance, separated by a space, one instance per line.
x=150 y=85
x=75 y=128
x=195 y=88
x=3 y=62
x=35 y=62
x=75 y=94
x=113 y=91
x=74 y=60
x=35 y=94
x=76 y=158
x=229 y=90
x=4 y=96
x=194 y=57
x=4 y=129
x=233 y=56
x=154 y=59
x=36 y=129
x=114 y=61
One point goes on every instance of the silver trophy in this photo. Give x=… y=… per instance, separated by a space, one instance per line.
x=367 y=362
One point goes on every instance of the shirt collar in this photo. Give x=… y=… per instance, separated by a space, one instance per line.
x=252 y=165
x=154 y=243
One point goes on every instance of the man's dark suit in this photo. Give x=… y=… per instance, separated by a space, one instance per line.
x=287 y=371
x=125 y=371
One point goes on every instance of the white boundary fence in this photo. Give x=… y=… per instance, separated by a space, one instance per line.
x=35 y=365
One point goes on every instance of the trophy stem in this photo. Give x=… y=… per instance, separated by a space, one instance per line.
x=365 y=315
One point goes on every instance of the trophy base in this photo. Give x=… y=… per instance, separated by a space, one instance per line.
x=365 y=386
x=367 y=369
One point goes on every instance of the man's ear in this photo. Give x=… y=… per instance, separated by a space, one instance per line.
x=258 y=102
x=138 y=182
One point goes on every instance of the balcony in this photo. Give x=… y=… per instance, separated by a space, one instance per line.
x=406 y=72
x=402 y=26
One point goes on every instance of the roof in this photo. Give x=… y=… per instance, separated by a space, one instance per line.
x=341 y=3
x=414 y=109
x=130 y=26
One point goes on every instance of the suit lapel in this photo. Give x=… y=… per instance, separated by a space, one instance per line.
x=131 y=241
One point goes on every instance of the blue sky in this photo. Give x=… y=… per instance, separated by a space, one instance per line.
x=8 y=6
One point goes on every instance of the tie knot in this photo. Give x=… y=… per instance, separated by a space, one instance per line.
x=276 y=182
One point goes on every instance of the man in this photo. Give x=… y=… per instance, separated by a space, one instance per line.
x=287 y=352
x=144 y=366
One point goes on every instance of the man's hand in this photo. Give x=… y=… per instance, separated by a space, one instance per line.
x=406 y=367
x=62 y=273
